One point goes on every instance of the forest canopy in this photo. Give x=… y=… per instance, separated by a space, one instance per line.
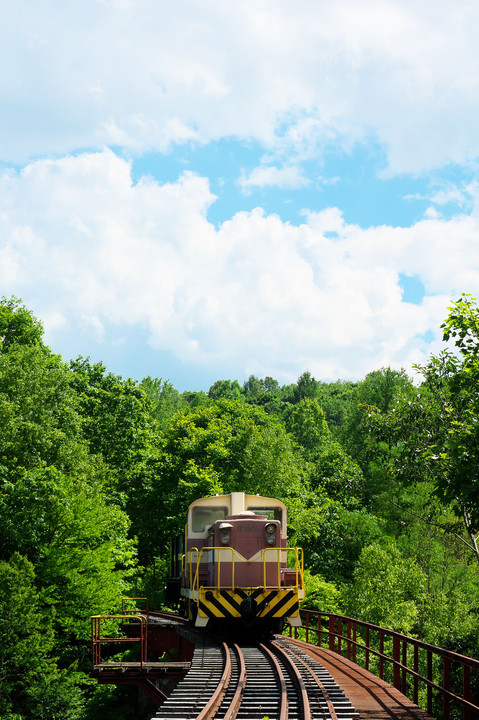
x=380 y=477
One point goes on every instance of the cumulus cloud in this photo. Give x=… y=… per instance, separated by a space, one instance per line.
x=271 y=176
x=294 y=77
x=95 y=250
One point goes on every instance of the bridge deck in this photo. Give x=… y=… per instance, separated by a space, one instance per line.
x=372 y=698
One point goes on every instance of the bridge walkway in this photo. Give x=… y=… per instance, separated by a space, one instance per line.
x=372 y=698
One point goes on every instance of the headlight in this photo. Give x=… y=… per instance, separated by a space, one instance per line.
x=225 y=533
x=270 y=528
x=270 y=539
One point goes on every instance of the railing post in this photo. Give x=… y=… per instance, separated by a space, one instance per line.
x=307 y=626
x=354 y=641
x=349 y=640
x=331 y=633
x=415 y=680
x=396 y=661
x=93 y=638
x=367 y=649
x=404 y=662
x=381 y=654
x=319 y=630
x=446 y=681
x=429 y=677
x=146 y=641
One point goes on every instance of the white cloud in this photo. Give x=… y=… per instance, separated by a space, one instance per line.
x=294 y=77
x=95 y=251
x=287 y=177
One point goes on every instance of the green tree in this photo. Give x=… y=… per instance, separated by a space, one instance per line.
x=387 y=589
x=433 y=433
x=225 y=446
x=377 y=392
x=455 y=380
x=56 y=510
x=164 y=399
x=231 y=390
x=336 y=399
x=116 y=417
x=320 y=594
x=307 y=422
x=76 y=539
x=333 y=537
x=31 y=684
x=306 y=387
x=18 y=326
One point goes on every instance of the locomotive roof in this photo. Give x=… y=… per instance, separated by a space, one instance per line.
x=241 y=498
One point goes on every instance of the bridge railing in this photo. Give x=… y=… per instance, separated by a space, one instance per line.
x=98 y=639
x=417 y=669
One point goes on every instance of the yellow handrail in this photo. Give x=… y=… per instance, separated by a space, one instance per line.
x=298 y=565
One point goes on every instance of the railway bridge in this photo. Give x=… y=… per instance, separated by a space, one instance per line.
x=332 y=667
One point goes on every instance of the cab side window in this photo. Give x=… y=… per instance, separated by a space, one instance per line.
x=272 y=513
x=204 y=516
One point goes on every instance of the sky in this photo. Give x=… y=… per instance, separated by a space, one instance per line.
x=203 y=190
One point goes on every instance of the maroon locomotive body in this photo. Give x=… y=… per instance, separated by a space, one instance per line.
x=237 y=567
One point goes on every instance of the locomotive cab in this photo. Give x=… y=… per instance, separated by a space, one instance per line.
x=237 y=566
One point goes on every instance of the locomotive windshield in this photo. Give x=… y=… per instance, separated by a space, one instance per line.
x=203 y=517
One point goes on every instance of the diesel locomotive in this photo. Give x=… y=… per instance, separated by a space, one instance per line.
x=233 y=568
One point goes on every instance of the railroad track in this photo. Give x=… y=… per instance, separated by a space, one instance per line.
x=275 y=680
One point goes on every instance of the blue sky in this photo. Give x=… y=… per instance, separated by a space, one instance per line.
x=196 y=191
x=347 y=180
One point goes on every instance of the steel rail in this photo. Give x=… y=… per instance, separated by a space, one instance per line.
x=273 y=679
x=322 y=687
x=283 y=711
x=235 y=704
x=211 y=707
x=303 y=693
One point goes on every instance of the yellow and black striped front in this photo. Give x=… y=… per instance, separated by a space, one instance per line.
x=240 y=603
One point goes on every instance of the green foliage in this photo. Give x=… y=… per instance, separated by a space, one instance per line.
x=380 y=480
x=17 y=325
x=455 y=384
x=152 y=582
x=376 y=394
x=30 y=681
x=433 y=432
x=337 y=474
x=387 y=589
x=335 y=539
x=64 y=547
x=25 y=632
x=220 y=447
x=320 y=594
x=52 y=503
x=336 y=399
x=38 y=418
x=115 y=416
x=306 y=387
x=164 y=399
x=307 y=423
x=231 y=390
